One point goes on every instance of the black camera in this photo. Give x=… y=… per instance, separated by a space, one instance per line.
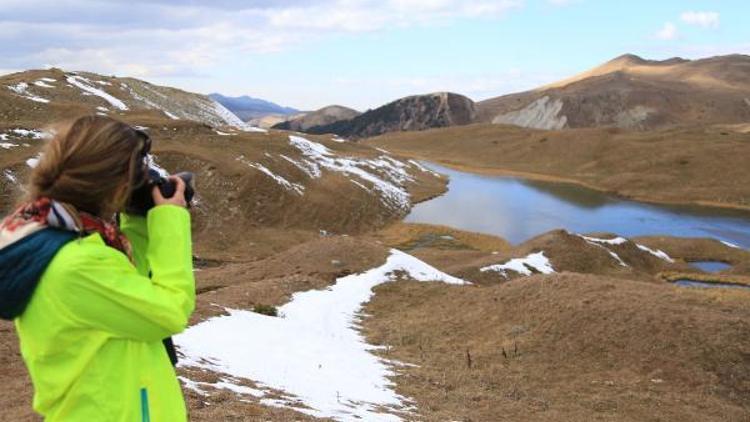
x=141 y=200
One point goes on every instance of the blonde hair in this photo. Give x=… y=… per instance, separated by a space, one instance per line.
x=87 y=163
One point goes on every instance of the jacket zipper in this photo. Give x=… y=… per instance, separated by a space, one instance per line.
x=145 y=417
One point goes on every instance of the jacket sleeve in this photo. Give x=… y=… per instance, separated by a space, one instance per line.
x=101 y=289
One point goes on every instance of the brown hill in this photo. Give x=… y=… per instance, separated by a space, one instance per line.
x=417 y=112
x=687 y=164
x=322 y=117
x=631 y=92
x=41 y=95
x=273 y=184
x=565 y=347
x=271 y=120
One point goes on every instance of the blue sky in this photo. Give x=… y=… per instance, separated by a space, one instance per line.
x=360 y=53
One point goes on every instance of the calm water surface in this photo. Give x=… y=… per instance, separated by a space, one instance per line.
x=518 y=209
x=700 y=284
x=711 y=266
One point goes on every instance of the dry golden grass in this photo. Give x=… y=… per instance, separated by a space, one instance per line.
x=410 y=236
x=704 y=165
x=566 y=347
x=671 y=276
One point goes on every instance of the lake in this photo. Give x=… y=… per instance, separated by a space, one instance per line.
x=518 y=209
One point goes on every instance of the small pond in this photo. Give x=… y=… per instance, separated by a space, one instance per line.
x=706 y=285
x=711 y=266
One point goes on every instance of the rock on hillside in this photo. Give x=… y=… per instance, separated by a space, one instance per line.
x=247 y=108
x=56 y=94
x=322 y=117
x=634 y=93
x=417 y=112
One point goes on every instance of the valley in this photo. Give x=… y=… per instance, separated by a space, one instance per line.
x=703 y=165
x=405 y=276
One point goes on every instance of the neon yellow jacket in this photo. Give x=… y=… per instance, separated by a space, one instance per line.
x=92 y=333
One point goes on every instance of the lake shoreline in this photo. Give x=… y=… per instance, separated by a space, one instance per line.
x=541 y=177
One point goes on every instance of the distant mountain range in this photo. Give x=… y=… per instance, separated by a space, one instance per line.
x=627 y=92
x=633 y=93
x=247 y=108
x=416 y=112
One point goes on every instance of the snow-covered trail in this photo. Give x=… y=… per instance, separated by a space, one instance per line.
x=313 y=351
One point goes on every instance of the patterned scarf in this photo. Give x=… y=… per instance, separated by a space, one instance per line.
x=45 y=212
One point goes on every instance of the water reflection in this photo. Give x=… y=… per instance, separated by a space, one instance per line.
x=519 y=209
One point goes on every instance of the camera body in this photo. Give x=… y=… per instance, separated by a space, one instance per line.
x=141 y=200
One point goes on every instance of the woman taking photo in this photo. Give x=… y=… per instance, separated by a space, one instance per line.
x=92 y=301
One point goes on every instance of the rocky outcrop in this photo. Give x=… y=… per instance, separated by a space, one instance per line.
x=540 y=114
x=417 y=112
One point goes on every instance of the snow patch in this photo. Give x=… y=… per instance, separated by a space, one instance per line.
x=424 y=169
x=170 y=115
x=21 y=89
x=314 y=351
x=232 y=120
x=731 y=245
x=10 y=176
x=85 y=85
x=221 y=385
x=309 y=168
x=218 y=132
x=32 y=162
x=537 y=261
x=657 y=253
x=43 y=84
x=388 y=176
x=148 y=102
x=7 y=145
x=614 y=241
x=598 y=243
x=30 y=133
x=295 y=187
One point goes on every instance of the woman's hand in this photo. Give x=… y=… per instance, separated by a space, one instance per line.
x=177 y=199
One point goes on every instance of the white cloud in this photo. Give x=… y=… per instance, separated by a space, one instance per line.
x=8 y=71
x=702 y=19
x=188 y=38
x=667 y=32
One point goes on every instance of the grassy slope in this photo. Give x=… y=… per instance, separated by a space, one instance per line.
x=566 y=347
x=688 y=165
